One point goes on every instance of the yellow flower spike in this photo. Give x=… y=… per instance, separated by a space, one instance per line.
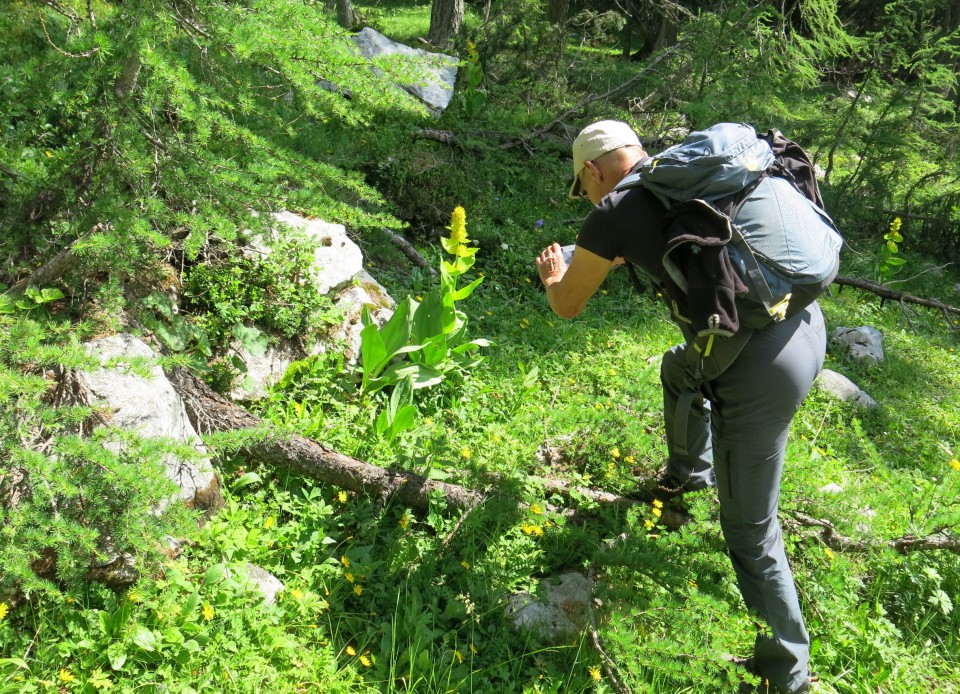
x=594 y=673
x=207 y=612
x=351 y=651
x=458 y=225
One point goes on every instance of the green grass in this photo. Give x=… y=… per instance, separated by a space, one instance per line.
x=380 y=598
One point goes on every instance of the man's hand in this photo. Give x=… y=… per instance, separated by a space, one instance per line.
x=570 y=287
x=550 y=264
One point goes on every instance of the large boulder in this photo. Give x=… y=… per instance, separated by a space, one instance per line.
x=337 y=272
x=439 y=70
x=149 y=406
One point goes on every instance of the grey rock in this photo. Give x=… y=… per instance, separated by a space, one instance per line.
x=440 y=70
x=149 y=406
x=265 y=582
x=863 y=343
x=844 y=389
x=563 y=610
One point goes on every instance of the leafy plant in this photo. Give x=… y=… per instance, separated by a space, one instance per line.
x=890 y=262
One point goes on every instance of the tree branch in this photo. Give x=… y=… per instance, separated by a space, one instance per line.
x=885 y=292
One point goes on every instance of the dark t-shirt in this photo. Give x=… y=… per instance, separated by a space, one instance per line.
x=627 y=223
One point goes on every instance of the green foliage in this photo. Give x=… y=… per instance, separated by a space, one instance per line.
x=423 y=344
x=69 y=496
x=151 y=125
x=890 y=262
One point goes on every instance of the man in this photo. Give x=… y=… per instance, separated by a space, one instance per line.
x=736 y=433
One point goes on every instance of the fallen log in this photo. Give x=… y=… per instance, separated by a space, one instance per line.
x=211 y=413
x=884 y=292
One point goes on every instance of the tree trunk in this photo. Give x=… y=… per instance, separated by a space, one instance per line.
x=346 y=15
x=446 y=18
x=557 y=11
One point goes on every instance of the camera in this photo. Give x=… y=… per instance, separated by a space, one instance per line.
x=567 y=252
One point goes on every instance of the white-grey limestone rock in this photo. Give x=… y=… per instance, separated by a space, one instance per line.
x=844 y=389
x=563 y=610
x=150 y=407
x=440 y=70
x=863 y=343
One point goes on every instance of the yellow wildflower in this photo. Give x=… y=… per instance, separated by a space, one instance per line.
x=458 y=225
x=465 y=564
x=594 y=673
x=537 y=531
x=365 y=660
x=207 y=612
x=465 y=453
x=351 y=651
x=458 y=655
x=297 y=594
x=473 y=649
x=67 y=676
x=657 y=503
x=345 y=561
x=629 y=459
x=349 y=577
x=829 y=552
x=404 y=521
x=342 y=497
x=269 y=523
x=656 y=512
x=4 y=610
x=648 y=524
x=527 y=528
x=615 y=452
x=358 y=589
x=955 y=464
x=536 y=509
x=613 y=372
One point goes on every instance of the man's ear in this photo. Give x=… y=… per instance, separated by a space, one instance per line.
x=595 y=170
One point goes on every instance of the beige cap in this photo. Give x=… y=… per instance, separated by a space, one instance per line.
x=594 y=141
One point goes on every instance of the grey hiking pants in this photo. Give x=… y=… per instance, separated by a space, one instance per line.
x=737 y=439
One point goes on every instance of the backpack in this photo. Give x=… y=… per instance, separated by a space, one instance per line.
x=762 y=193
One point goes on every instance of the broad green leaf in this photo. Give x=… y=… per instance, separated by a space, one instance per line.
x=246 y=480
x=464 y=292
x=427 y=321
x=373 y=353
x=254 y=340
x=145 y=639
x=396 y=331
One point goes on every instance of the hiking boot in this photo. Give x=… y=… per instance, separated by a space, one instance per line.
x=765 y=687
x=662 y=486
